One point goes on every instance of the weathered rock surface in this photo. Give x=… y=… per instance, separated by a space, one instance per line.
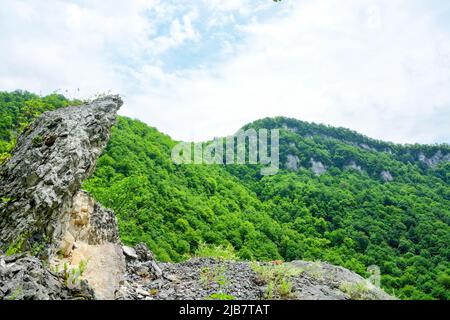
x=386 y=176
x=203 y=278
x=436 y=159
x=46 y=212
x=88 y=223
x=50 y=161
x=92 y=237
x=353 y=166
x=25 y=277
x=105 y=268
x=317 y=167
x=292 y=162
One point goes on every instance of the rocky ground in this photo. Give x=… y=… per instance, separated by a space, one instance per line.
x=207 y=278
x=24 y=277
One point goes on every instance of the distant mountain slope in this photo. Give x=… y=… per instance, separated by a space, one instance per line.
x=331 y=138
x=351 y=215
x=367 y=202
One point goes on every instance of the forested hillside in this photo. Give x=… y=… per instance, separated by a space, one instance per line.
x=338 y=197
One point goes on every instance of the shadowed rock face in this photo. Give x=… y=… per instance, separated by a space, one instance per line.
x=50 y=161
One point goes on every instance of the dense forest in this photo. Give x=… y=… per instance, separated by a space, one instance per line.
x=18 y=109
x=374 y=203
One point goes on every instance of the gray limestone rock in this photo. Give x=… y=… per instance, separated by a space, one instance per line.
x=51 y=159
x=203 y=278
x=292 y=162
x=436 y=159
x=23 y=277
x=386 y=176
x=317 y=167
x=353 y=166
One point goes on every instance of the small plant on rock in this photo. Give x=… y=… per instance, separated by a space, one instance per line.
x=17 y=246
x=73 y=275
x=222 y=253
x=277 y=279
x=220 y=296
x=15 y=294
x=215 y=278
x=356 y=291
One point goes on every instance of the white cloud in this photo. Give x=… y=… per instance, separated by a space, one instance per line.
x=58 y=44
x=242 y=6
x=181 y=30
x=378 y=67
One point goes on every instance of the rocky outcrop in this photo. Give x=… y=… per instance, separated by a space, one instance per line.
x=353 y=166
x=386 y=176
x=45 y=213
x=435 y=160
x=51 y=159
x=23 y=277
x=292 y=162
x=317 y=167
x=207 y=278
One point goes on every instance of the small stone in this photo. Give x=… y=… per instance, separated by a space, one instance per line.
x=129 y=252
x=156 y=269
x=143 y=253
x=172 y=278
x=142 y=292
x=142 y=271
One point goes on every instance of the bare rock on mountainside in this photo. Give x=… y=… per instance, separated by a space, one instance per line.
x=435 y=160
x=317 y=167
x=57 y=242
x=292 y=162
x=386 y=176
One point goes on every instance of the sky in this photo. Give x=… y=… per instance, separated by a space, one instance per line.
x=196 y=69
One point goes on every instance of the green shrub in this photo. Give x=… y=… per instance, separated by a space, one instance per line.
x=73 y=275
x=224 y=253
x=220 y=296
x=17 y=246
x=277 y=278
x=356 y=291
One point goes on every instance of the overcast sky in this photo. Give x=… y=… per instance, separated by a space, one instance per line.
x=196 y=69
